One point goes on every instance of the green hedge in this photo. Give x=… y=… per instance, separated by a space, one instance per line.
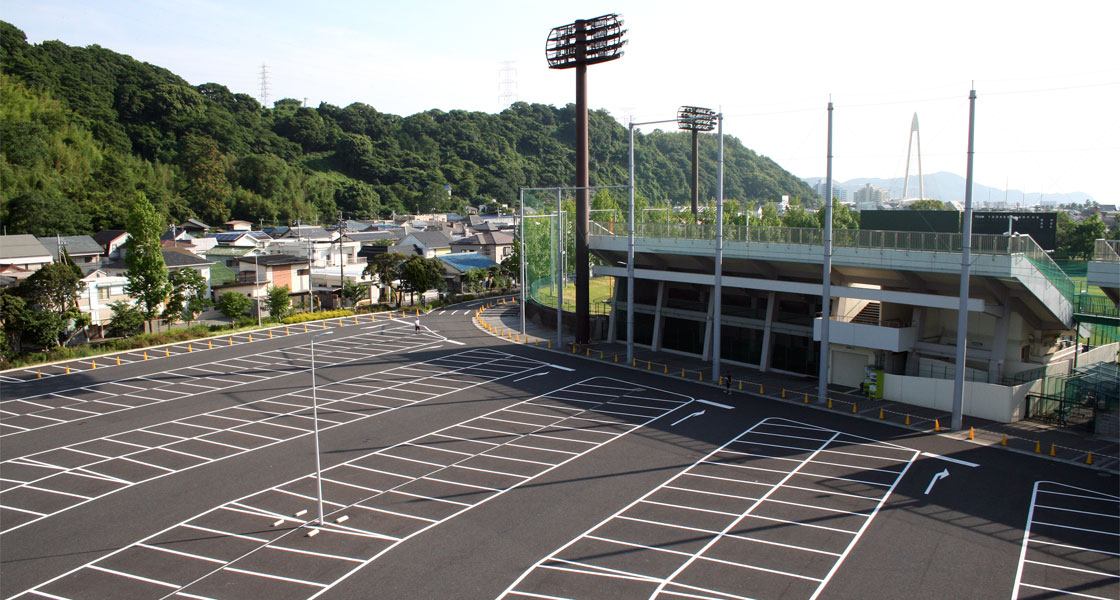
x=315 y=316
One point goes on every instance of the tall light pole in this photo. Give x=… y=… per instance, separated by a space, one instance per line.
x=695 y=119
x=577 y=45
x=257 y=285
x=315 y=413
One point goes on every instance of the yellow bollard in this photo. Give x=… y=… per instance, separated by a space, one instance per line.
x=1038 y=447
x=830 y=402
x=1052 y=452
x=880 y=413
x=854 y=411
x=1089 y=459
x=971 y=433
x=93 y=364
x=1003 y=442
x=936 y=425
x=907 y=419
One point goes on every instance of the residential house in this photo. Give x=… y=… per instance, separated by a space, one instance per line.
x=238 y=225
x=456 y=265
x=82 y=249
x=423 y=243
x=112 y=241
x=496 y=245
x=23 y=251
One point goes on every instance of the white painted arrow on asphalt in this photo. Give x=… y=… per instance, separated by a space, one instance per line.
x=695 y=414
x=942 y=475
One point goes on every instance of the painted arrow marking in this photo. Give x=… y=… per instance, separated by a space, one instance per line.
x=942 y=475
x=533 y=375
x=695 y=414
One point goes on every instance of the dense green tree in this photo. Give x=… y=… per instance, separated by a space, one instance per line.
x=233 y=304
x=147 y=272
x=928 y=204
x=279 y=301
x=186 y=298
x=127 y=320
x=419 y=274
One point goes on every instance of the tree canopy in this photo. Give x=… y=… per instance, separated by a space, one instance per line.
x=83 y=129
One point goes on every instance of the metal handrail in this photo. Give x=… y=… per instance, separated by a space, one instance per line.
x=914 y=241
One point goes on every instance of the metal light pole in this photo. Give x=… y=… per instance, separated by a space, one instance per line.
x=315 y=412
x=257 y=285
x=826 y=276
x=695 y=119
x=717 y=288
x=966 y=252
x=577 y=45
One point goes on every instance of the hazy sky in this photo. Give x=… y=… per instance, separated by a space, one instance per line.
x=1046 y=74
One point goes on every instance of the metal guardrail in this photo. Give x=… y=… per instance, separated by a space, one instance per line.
x=914 y=241
x=1106 y=250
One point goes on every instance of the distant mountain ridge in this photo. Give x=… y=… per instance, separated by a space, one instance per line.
x=949 y=187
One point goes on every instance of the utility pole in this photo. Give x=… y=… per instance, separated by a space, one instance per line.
x=341 y=262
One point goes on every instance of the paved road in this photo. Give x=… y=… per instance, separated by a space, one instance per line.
x=459 y=465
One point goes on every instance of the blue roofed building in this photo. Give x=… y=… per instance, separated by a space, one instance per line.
x=458 y=264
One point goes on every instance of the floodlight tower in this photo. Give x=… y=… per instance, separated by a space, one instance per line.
x=696 y=119
x=576 y=45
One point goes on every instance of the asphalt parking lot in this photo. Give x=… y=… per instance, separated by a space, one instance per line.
x=459 y=465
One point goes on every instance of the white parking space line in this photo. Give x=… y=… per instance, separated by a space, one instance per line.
x=703 y=533
x=194 y=445
x=178 y=383
x=420 y=497
x=1062 y=518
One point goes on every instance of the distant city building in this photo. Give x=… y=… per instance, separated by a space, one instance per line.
x=837 y=191
x=871 y=195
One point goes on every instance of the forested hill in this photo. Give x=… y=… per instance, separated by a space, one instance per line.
x=83 y=129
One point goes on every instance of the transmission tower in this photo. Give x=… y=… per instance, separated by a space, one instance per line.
x=264 y=85
x=507 y=84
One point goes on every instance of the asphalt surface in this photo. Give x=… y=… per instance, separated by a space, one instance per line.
x=456 y=464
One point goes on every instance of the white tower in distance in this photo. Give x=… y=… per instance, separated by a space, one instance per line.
x=910 y=144
x=507 y=85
